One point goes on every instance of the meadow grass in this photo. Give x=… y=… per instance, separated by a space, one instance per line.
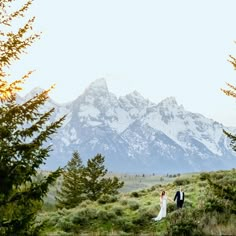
x=131 y=212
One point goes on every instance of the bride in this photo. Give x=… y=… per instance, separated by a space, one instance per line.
x=163 y=204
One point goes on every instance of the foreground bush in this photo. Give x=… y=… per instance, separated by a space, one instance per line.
x=183 y=222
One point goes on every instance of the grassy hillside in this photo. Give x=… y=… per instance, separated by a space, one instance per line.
x=131 y=212
x=132 y=182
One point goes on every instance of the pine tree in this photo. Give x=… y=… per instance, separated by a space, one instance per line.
x=24 y=131
x=227 y=191
x=231 y=91
x=72 y=189
x=95 y=181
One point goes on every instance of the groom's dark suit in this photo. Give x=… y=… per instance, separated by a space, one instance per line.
x=180 y=199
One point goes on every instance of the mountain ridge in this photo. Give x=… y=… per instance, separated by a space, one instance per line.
x=137 y=135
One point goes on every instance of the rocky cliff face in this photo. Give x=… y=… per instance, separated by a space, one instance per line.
x=136 y=135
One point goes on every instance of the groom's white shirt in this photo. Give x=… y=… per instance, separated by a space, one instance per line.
x=181 y=195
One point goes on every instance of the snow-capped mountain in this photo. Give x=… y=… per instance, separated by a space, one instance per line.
x=136 y=135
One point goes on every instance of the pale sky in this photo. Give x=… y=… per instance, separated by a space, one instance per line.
x=160 y=48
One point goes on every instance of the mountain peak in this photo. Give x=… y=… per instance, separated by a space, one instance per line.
x=134 y=98
x=169 y=101
x=136 y=94
x=33 y=92
x=98 y=84
x=96 y=93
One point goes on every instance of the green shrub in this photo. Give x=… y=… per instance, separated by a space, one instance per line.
x=83 y=216
x=133 y=205
x=134 y=194
x=107 y=207
x=204 y=176
x=80 y=220
x=202 y=184
x=185 y=228
x=49 y=206
x=153 y=188
x=214 y=204
x=54 y=218
x=62 y=233
x=183 y=222
x=189 y=189
x=105 y=215
x=181 y=181
x=156 y=194
x=118 y=210
x=217 y=175
x=124 y=202
x=85 y=203
x=64 y=224
x=127 y=226
x=105 y=198
x=63 y=211
x=227 y=180
x=145 y=215
x=171 y=207
x=124 y=224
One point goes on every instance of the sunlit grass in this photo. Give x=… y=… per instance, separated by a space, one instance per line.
x=131 y=212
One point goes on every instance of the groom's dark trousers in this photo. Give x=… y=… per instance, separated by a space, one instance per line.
x=179 y=202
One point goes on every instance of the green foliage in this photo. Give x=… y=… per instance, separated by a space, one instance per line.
x=183 y=222
x=134 y=194
x=231 y=91
x=145 y=215
x=124 y=202
x=105 y=198
x=86 y=183
x=224 y=194
x=133 y=216
x=71 y=193
x=172 y=206
x=119 y=211
x=224 y=189
x=95 y=181
x=214 y=204
x=181 y=181
x=83 y=216
x=204 y=176
x=133 y=205
x=105 y=215
x=85 y=203
x=65 y=224
x=24 y=131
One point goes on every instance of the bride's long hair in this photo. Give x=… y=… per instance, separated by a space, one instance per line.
x=163 y=193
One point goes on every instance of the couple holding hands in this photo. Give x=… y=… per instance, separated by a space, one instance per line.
x=179 y=197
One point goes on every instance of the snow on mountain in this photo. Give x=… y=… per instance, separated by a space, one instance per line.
x=179 y=125
x=137 y=135
x=97 y=106
x=33 y=92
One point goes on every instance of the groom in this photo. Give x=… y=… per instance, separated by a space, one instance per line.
x=179 y=196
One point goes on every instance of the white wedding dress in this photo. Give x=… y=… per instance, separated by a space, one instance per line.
x=162 y=212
